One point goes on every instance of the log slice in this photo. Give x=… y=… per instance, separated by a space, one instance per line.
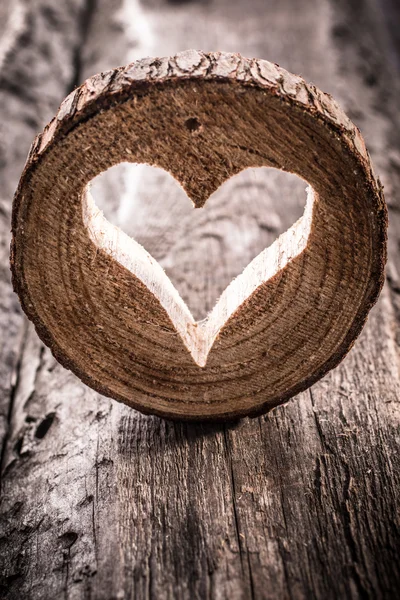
x=106 y=308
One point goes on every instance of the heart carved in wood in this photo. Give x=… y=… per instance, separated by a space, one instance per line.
x=198 y=337
x=107 y=309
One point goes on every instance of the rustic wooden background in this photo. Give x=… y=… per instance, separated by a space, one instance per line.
x=100 y=502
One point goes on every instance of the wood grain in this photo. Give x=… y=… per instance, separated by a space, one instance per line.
x=106 y=308
x=301 y=503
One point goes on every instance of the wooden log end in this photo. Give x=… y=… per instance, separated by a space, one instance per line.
x=106 y=308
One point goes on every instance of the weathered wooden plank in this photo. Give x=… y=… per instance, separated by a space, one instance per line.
x=38 y=44
x=101 y=502
x=37 y=49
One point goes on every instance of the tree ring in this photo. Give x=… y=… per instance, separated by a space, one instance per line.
x=111 y=316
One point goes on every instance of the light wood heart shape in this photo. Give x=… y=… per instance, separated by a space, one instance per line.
x=107 y=309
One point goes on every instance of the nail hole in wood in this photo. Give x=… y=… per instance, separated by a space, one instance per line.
x=44 y=426
x=193 y=124
x=68 y=539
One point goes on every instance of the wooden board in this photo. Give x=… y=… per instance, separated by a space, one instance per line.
x=99 y=501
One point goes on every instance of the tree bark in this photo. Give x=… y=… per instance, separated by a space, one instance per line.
x=99 y=501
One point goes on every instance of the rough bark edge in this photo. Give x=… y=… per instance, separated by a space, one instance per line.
x=106 y=89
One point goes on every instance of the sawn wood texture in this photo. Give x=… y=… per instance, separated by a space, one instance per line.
x=106 y=308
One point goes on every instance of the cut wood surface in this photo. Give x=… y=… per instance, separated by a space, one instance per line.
x=106 y=308
x=99 y=501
